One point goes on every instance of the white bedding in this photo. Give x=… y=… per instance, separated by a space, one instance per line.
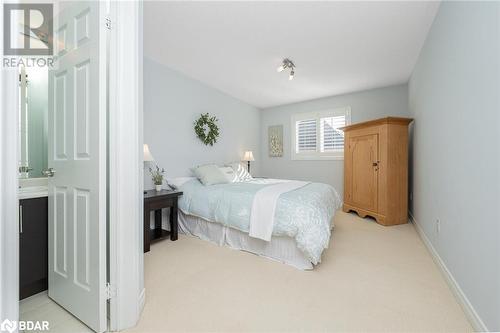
x=281 y=248
x=304 y=214
x=264 y=207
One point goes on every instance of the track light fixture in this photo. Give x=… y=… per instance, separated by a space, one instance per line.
x=287 y=64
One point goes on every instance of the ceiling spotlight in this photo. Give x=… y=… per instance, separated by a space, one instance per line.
x=287 y=64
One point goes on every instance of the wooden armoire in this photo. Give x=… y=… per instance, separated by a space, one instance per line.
x=376 y=169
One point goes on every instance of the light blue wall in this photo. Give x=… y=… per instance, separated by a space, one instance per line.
x=365 y=105
x=454 y=97
x=172 y=102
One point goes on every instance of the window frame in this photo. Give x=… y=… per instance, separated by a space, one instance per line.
x=317 y=115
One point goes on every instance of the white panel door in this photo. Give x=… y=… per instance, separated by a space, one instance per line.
x=77 y=153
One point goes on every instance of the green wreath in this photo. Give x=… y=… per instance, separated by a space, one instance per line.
x=206 y=129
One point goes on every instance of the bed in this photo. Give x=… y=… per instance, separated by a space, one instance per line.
x=222 y=213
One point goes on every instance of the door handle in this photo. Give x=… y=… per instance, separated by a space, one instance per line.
x=50 y=172
x=20 y=219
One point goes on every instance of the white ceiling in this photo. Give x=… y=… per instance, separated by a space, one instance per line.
x=338 y=47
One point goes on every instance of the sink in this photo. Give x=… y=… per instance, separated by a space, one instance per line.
x=30 y=188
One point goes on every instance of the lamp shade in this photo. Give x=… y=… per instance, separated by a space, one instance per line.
x=248 y=156
x=147 y=154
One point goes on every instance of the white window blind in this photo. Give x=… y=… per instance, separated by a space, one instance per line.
x=306 y=135
x=331 y=137
x=316 y=135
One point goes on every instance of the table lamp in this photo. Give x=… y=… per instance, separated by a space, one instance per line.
x=147 y=156
x=248 y=157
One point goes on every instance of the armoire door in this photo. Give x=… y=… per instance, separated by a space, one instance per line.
x=364 y=164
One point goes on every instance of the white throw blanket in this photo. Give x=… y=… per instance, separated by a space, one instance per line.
x=264 y=206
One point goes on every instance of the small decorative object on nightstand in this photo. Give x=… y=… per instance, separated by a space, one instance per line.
x=247 y=158
x=156 y=201
x=157 y=176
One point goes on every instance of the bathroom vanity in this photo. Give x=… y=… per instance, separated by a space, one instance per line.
x=33 y=246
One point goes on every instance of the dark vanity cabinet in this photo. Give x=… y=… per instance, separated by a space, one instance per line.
x=33 y=246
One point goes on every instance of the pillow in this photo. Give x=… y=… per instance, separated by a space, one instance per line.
x=229 y=173
x=210 y=174
x=179 y=181
x=241 y=172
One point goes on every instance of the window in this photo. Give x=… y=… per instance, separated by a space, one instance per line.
x=316 y=135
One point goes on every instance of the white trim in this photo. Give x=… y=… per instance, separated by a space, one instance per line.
x=102 y=182
x=9 y=211
x=462 y=299
x=125 y=165
x=316 y=156
x=336 y=156
x=9 y=225
x=142 y=299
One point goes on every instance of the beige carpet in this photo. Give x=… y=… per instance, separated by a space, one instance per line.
x=372 y=278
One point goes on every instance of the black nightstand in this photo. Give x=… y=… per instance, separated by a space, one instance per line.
x=156 y=201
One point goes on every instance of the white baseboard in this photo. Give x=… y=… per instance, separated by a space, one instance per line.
x=142 y=301
x=462 y=299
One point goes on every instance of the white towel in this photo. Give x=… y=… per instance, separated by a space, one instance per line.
x=264 y=206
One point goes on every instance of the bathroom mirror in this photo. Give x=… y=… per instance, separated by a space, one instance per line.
x=33 y=127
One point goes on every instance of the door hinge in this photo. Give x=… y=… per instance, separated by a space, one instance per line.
x=110 y=291
x=108 y=23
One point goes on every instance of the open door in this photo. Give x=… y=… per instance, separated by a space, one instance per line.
x=77 y=163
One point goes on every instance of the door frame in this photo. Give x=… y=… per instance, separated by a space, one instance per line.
x=126 y=266
x=126 y=257
x=9 y=203
x=9 y=225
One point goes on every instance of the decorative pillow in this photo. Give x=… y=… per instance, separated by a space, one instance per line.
x=179 y=181
x=210 y=174
x=229 y=173
x=241 y=172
